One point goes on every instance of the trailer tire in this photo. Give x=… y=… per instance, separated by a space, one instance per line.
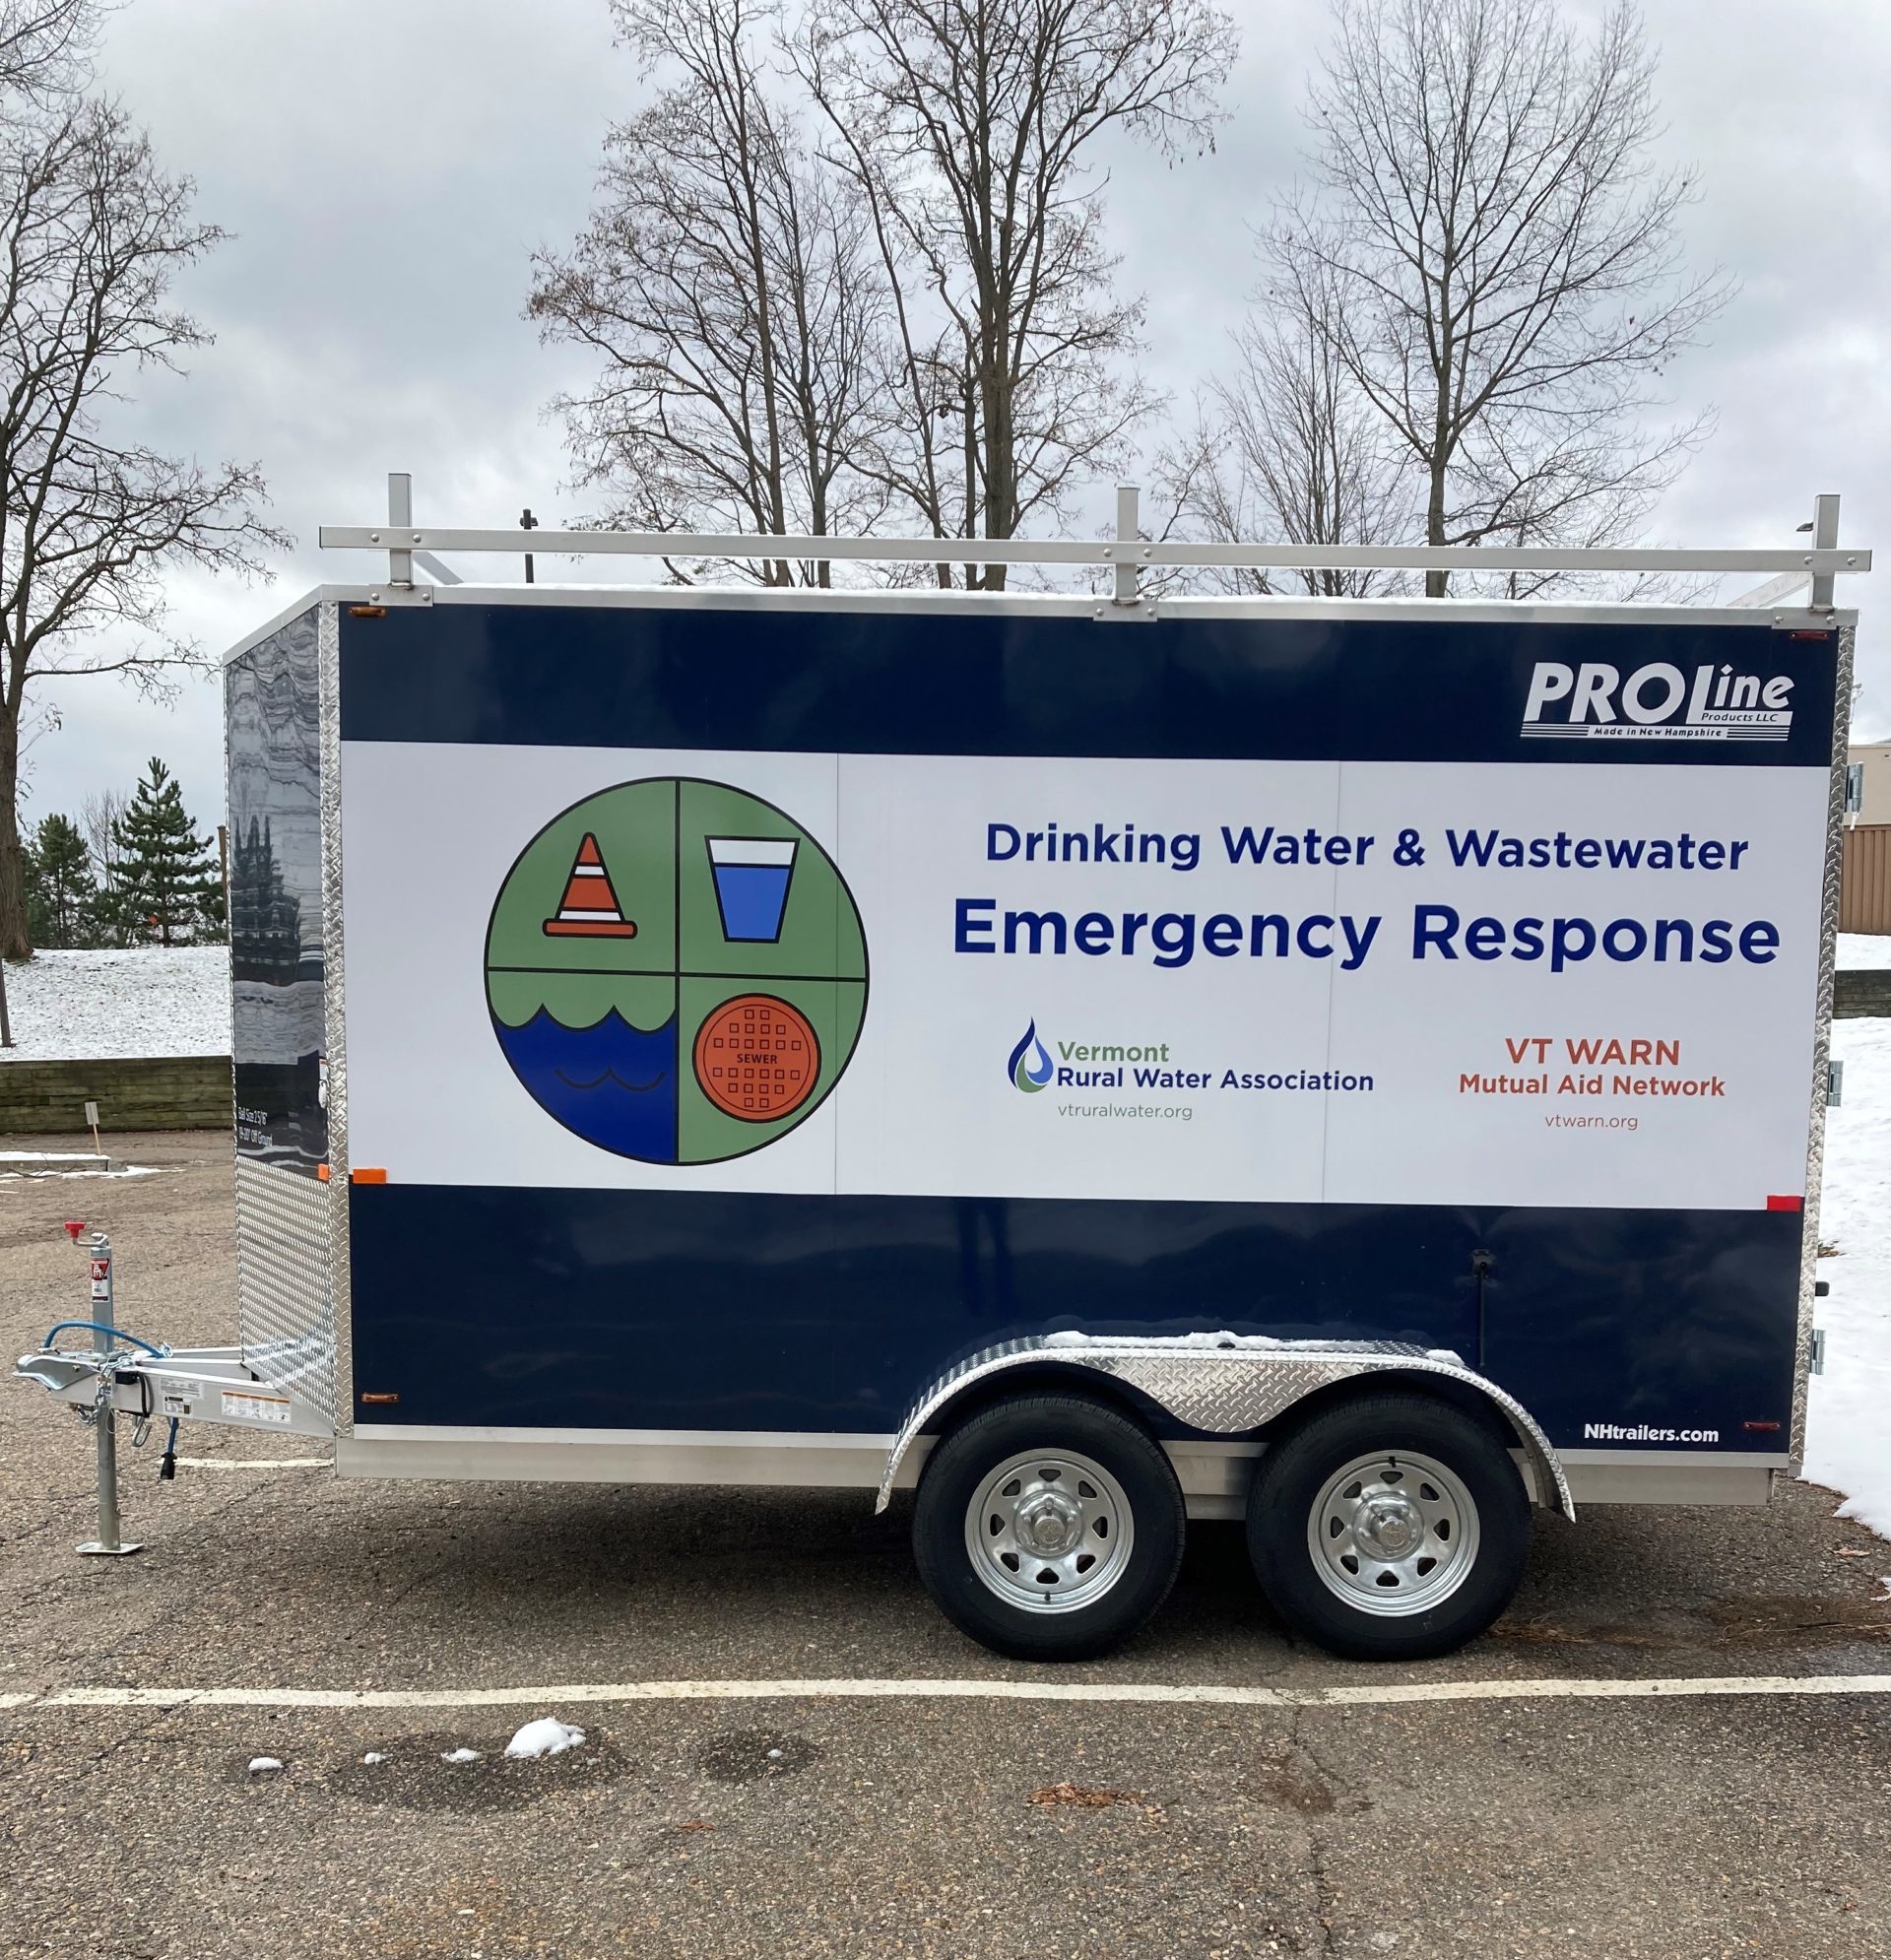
x=1388 y=1526
x=1049 y=1528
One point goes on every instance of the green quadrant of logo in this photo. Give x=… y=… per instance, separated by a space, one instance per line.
x=820 y=932
x=834 y=1009
x=635 y=826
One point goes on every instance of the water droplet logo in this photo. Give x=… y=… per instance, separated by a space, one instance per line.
x=1030 y=1065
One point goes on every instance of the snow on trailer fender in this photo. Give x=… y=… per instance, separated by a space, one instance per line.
x=1343 y=1065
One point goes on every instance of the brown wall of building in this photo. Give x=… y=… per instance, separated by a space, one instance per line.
x=1865 y=896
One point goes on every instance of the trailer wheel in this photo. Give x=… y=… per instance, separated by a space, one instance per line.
x=1388 y=1528
x=1049 y=1528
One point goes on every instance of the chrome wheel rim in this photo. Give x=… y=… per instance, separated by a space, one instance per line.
x=1393 y=1534
x=1050 y=1532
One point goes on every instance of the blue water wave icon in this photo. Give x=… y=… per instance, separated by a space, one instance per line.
x=612 y=1084
x=1030 y=1065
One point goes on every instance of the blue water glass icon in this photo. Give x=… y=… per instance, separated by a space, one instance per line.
x=752 y=885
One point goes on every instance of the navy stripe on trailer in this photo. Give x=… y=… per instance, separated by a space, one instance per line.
x=755 y=1311
x=996 y=683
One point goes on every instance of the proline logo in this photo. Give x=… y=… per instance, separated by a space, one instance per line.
x=1714 y=704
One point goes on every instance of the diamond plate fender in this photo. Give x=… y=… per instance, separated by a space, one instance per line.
x=1227 y=1390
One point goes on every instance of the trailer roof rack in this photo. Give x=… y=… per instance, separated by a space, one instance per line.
x=1816 y=564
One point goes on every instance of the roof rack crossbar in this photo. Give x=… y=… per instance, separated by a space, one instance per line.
x=1818 y=562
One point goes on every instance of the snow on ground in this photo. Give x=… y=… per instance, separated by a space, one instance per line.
x=547 y=1736
x=1849 y=1419
x=148 y=999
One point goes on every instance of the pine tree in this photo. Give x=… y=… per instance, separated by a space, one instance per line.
x=59 y=889
x=165 y=872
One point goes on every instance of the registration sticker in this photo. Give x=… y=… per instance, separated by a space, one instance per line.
x=256 y=1407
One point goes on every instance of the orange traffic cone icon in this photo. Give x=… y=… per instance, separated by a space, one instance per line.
x=590 y=909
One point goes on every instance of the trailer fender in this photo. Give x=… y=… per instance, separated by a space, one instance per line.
x=1226 y=1385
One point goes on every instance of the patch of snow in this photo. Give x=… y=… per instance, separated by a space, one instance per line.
x=1244 y=1344
x=547 y=1736
x=1864 y=949
x=147 y=1000
x=375 y=1756
x=459 y=1755
x=1845 y=1416
x=263 y=1765
x=123 y=1170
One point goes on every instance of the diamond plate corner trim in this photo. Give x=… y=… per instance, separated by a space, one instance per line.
x=1821 y=1047
x=285 y=1302
x=334 y=1012
x=1229 y=1392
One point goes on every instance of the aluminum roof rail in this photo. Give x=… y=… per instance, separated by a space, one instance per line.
x=1817 y=564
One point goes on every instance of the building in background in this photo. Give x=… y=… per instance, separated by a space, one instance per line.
x=1865 y=896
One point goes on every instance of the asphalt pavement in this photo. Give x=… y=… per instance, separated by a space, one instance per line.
x=1492 y=1820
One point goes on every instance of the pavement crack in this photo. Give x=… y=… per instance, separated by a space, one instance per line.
x=1323 y=1895
x=1316 y=1868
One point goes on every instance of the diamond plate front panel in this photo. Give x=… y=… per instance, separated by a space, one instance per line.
x=286 y=1299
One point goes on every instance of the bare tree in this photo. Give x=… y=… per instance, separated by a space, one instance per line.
x=972 y=129
x=1499 y=263
x=45 y=48
x=91 y=234
x=101 y=812
x=726 y=282
x=1288 y=448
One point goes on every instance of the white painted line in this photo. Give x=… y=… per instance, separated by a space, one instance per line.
x=1360 y=1695
x=256 y=1463
x=16 y=1701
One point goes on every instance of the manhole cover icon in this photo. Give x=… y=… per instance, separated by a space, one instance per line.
x=758 y=1058
x=676 y=970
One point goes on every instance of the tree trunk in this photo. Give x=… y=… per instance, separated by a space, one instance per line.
x=1437 y=583
x=14 y=942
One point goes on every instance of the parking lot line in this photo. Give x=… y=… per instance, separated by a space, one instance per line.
x=1347 y=1695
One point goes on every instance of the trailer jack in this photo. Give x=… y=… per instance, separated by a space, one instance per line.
x=122 y=1374
x=103 y=1417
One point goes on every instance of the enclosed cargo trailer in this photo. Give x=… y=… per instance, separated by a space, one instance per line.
x=1356 y=1066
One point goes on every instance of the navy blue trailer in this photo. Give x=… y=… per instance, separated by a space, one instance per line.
x=1353 y=1066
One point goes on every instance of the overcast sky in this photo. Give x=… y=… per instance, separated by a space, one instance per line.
x=387 y=167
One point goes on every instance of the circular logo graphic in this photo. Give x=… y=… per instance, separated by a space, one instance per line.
x=676 y=970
